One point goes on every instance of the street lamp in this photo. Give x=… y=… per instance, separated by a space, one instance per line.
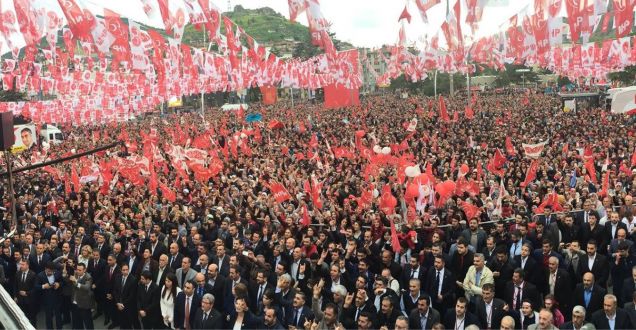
x=523 y=75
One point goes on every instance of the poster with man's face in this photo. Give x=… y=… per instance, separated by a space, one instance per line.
x=25 y=137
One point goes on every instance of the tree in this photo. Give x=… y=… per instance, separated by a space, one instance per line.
x=626 y=77
x=511 y=76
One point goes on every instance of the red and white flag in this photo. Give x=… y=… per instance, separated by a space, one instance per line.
x=280 y=193
x=534 y=150
x=424 y=5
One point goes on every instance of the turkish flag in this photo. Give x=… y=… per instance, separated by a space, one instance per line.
x=387 y=201
x=280 y=193
x=531 y=174
x=306 y=219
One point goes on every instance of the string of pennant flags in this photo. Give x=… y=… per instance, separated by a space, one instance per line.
x=107 y=68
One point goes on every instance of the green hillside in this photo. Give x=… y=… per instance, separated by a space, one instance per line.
x=270 y=29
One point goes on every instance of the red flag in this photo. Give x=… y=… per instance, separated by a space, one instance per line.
x=75 y=179
x=424 y=6
x=387 y=201
x=634 y=158
x=510 y=149
x=531 y=174
x=314 y=141
x=605 y=185
x=306 y=219
x=566 y=149
x=480 y=171
x=471 y=211
x=405 y=15
x=591 y=171
x=80 y=21
x=395 y=241
x=469 y=113
x=168 y=193
x=496 y=163
x=624 y=16
x=280 y=193
x=443 y=113
x=153 y=184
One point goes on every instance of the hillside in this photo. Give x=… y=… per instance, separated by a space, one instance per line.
x=270 y=29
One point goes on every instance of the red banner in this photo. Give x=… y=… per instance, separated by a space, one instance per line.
x=624 y=16
x=269 y=94
x=280 y=193
x=338 y=96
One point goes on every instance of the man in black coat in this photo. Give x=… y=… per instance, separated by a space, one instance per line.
x=413 y=270
x=217 y=282
x=148 y=297
x=589 y=295
x=424 y=316
x=186 y=302
x=599 y=264
x=207 y=317
x=24 y=284
x=528 y=263
x=459 y=317
x=501 y=271
x=298 y=312
x=518 y=289
x=49 y=286
x=610 y=310
x=125 y=298
x=490 y=310
x=440 y=285
x=257 y=289
x=557 y=281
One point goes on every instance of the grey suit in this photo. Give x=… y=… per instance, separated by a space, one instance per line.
x=188 y=276
x=536 y=326
x=83 y=293
x=83 y=301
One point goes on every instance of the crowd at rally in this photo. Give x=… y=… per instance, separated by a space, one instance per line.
x=352 y=246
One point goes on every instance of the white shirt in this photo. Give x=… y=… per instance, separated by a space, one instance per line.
x=523 y=261
x=590 y=261
x=488 y=313
x=441 y=279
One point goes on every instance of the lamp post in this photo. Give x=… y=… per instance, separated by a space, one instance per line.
x=523 y=75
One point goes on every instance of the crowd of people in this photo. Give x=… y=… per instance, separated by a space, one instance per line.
x=226 y=253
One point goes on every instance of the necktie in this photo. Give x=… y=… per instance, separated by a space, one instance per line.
x=437 y=282
x=187 y=313
x=205 y=317
x=24 y=277
x=296 y=314
x=413 y=273
x=110 y=274
x=259 y=297
x=200 y=291
x=518 y=299
x=171 y=260
x=123 y=282
x=423 y=321
x=461 y=262
x=358 y=313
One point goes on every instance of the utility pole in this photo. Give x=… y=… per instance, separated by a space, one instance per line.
x=450 y=74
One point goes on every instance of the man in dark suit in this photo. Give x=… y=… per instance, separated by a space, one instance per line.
x=222 y=260
x=459 y=317
x=557 y=281
x=207 y=317
x=102 y=246
x=424 y=316
x=285 y=296
x=630 y=308
x=490 y=310
x=156 y=247
x=49 y=286
x=217 y=282
x=148 y=297
x=629 y=286
x=351 y=313
x=525 y=261
x=97 y=269
x=82 y=297
x=125 y=297
x=39 y=259
x=202 y=286
x=234 y=278
x=519 y=289
x=598 y=262
x=440 y=285
x=601 y=319
x=612 y=226
x=413 y=270
x=175 y=257
x=257 y=289
x=461 y=260
x=501 y=270
x=589 y=295
x=185 y=306
x=297 y=313
x=24 y=284
x=112 y=271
